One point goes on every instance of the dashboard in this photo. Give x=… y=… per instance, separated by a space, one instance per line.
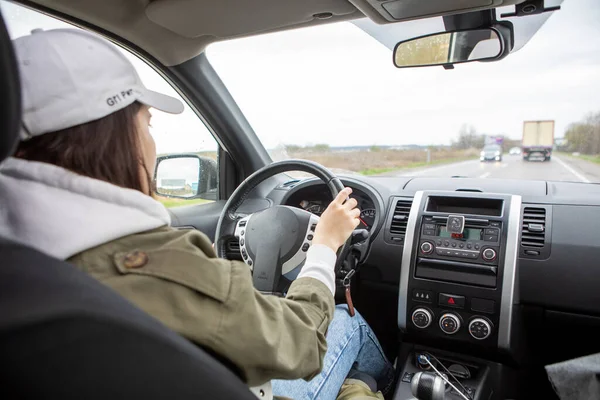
x=564 y=257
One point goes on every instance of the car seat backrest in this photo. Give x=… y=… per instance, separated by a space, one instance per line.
x=65 y=335
x=10 y=106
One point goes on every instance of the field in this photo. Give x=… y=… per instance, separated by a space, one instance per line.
x=377 y=161
x=171 y=202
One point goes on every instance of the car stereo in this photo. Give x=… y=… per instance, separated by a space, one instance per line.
x=459 y=267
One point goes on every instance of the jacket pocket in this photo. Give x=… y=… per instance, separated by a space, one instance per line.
x=210 y=277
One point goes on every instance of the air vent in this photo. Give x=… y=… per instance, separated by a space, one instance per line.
x=533 y=230
x=289 y=184
x=400 y=217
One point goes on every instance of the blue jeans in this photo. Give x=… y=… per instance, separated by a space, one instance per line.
x=349 y=340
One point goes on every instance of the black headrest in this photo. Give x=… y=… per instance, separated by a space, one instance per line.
x=10 y=106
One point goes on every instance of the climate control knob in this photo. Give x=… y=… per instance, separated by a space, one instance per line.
x=480 y=329
x=426 y=248
x=449 y=323
x=489 y=254
x=422 y=318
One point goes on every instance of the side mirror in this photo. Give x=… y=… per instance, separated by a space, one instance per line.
x=454 y=47
x=186 y=176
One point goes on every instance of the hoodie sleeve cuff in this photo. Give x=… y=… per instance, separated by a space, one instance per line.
x=320 y=265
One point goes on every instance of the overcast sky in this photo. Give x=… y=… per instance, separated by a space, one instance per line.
x=335 y=84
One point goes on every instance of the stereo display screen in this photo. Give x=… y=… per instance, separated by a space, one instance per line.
x=468 y=234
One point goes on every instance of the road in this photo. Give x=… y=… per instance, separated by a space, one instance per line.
x=560 y=168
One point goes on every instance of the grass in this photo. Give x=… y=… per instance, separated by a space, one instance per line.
x=594 y=159
x=170 y=202
x=369 y=162
x=587 y=157
x=378 y=171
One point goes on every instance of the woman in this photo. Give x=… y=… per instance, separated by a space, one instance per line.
x=79 y=189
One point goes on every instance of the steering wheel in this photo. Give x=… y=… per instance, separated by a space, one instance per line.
x=273 y=242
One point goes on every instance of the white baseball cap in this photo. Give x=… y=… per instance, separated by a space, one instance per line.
x=70 y=77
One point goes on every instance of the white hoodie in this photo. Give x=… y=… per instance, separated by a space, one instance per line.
x=61 y=213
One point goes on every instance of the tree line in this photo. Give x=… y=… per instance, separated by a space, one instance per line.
x=469 y=138
x=584 y=136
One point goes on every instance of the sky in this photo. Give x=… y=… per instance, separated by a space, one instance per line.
x=335 y=84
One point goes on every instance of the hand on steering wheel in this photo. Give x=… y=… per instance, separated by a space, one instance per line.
x=274 y=241
x=338 y=221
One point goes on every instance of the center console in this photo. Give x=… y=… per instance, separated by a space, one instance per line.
x=459 y=269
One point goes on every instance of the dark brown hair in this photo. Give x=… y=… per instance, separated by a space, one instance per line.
x=108 y=149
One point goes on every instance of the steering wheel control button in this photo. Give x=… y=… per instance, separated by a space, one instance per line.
x=243 y=223
x=244 y=254
x=250 y=262
x=309 y=237
x=449 y=323
x=313 y=227
x=480 y=329
x=483 y=305
x=421 y=318
x=242 y=232
x=425 y=296
x=451 y=300
x=489 y=254
x=305 y=247
x=241 y=241
x=426 y=248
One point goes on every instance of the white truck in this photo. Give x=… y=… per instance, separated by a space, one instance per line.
x=538 y=140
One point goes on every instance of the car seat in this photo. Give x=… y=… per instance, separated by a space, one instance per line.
x=64 y=335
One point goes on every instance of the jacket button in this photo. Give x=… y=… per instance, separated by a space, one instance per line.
x=135 y=259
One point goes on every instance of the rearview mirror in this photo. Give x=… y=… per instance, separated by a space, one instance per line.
x=186 y=176
x=449 y=48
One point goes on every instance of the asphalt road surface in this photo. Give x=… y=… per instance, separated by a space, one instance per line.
x=560 y=168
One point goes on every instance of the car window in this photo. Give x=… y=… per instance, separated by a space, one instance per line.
x=332 y=94
x=173 y=134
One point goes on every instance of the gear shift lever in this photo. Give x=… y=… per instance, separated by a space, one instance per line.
x=428 y=386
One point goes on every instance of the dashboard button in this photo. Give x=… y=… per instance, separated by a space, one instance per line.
x=423 y=295
x=496 y=224
x=453 y=244
x=491 y=232
x=480 y=329
x=422 y=318
x=427 y=232
x=473 y=255
x=469 y=246
x=449 y=323
x=477 y=247
x=489 y=254
x=429 y=226
x=439 y=242
x=461 y=245
x=451 y=300
x=490 y=238
x=426 y=248
x=446 y=243
x=483 y=305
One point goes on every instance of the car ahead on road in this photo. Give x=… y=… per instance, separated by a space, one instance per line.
x=491 y=152
x=515 y=151
x=489 y=280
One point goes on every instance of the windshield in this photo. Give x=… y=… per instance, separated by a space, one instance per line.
x=331 y=94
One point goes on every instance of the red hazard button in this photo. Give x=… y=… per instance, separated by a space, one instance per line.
x=451 y=300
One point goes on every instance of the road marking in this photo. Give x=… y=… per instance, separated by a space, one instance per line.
x=485 y=175
x=571 y=170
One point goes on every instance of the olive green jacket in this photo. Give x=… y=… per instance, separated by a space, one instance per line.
x=174 y=275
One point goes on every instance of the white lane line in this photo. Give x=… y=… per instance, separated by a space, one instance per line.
x=485 y=175
x=571 y=170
